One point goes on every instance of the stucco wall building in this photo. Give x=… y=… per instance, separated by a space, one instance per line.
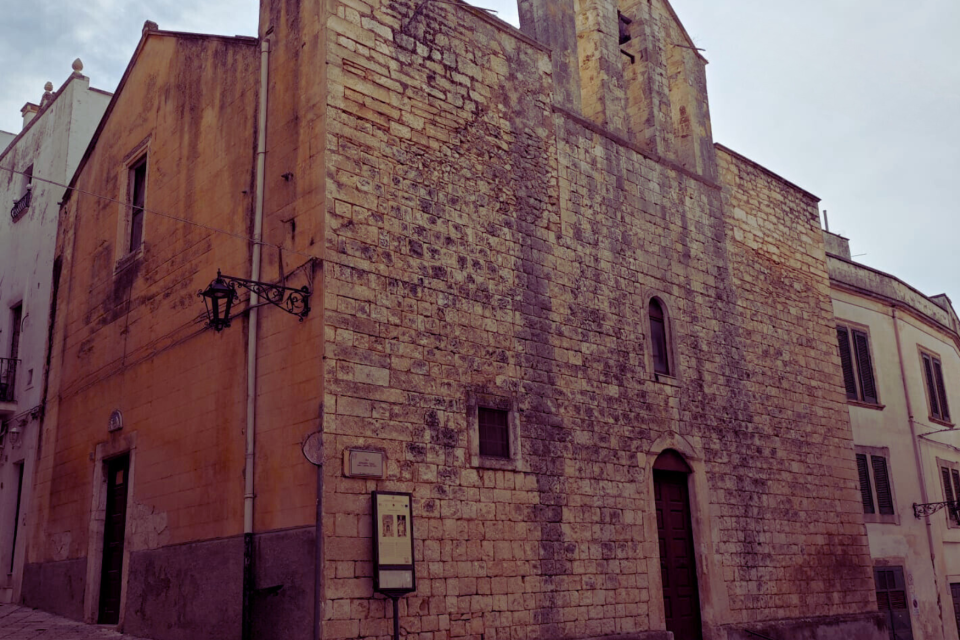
x=904 y=437
x=34 y=162
x=534 y=224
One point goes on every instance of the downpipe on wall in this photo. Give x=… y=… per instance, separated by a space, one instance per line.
x=924 y=496
x=248 y=477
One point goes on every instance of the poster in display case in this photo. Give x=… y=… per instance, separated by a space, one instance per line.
x=394 y=572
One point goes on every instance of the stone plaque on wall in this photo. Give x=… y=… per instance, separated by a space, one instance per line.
x=362 y=463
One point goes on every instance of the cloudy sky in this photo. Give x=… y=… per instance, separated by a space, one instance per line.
x=857 y=101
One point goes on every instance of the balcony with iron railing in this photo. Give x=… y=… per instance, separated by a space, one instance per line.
x=20 y=206
x=8 y=380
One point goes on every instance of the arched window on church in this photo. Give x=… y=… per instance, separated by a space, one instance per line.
x=658 y=338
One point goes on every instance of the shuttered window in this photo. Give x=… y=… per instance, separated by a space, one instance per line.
x=866 y=491
x=936 y=389
x=857 y=365
x=892 y=601
x=876 y=485
x=494 y=427
x=846 y=361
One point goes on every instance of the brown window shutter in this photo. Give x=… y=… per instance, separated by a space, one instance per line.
x=941 y=389
x=865 y=367
x=948 y=493
x=866 y=493
x=955 y=513
x=882 y=478
x=931 y=386
x=846 y=362
x=955 y=593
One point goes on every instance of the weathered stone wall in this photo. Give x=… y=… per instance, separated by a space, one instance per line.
x=481 y=241
x=785 y=479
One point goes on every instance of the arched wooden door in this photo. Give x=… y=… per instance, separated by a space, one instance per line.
x=678 y=566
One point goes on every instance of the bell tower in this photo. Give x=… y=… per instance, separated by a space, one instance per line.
x=630 y=67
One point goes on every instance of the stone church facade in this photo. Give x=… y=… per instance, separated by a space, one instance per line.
x=534 y=225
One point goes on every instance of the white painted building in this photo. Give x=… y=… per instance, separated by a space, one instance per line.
x=54 y=138
x=900 y=352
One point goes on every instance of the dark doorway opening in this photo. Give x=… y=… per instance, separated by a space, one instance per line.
x=16 y=514
x=115 y=522
x=678 y=566
x=892 y=601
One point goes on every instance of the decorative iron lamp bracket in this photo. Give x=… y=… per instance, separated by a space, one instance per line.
x=921 y=510
x=294 y=301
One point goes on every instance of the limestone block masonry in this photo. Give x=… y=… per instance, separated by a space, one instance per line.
x=481 y=241
x=472 y=237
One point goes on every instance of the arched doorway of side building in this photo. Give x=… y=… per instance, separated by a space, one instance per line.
x=678 y=566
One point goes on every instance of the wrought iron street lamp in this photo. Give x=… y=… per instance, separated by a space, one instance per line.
x=222 y=293
x=219 y=298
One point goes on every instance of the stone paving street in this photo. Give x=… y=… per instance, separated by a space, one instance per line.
x=22 y=623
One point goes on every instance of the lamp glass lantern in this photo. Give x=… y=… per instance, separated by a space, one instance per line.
x=219 y=298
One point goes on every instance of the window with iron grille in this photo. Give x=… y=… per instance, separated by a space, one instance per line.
x=936 y=390
x=857 y=364
x=876 y=488
x=494 y=431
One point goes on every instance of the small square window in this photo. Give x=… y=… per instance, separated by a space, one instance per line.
x=492 y=431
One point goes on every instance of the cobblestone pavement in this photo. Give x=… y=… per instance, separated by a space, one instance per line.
x=21 y=623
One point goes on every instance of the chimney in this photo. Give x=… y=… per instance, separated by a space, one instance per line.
x=836 y=245
x=553 y=23
x=29 y=112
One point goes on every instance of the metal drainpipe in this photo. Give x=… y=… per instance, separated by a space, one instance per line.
x=248 y=477
x=318 y=548
x=919 y=460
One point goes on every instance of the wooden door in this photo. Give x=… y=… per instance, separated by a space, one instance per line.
x=678 y=567
x=955 y=594
x=892 y=601
x=113 y=532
